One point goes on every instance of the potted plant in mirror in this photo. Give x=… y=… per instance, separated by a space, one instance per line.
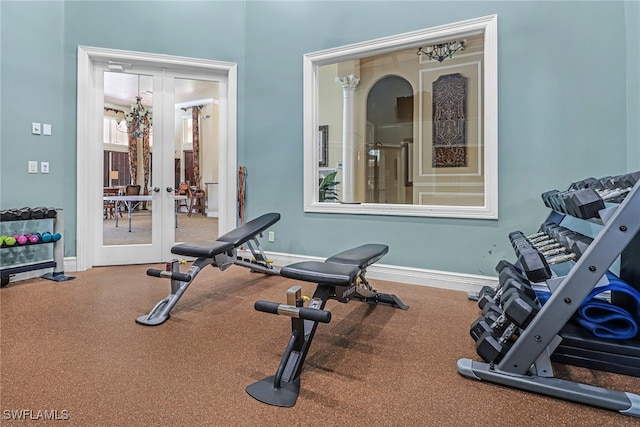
x=327 y=188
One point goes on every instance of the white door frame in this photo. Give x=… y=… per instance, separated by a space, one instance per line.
x=89 y=128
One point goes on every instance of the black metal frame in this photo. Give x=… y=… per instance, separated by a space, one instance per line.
x=283 y=388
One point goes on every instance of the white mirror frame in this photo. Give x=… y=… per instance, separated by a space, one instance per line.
x=485 y=25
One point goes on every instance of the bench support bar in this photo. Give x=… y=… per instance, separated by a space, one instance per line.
x=161 y=311
x=283 y=388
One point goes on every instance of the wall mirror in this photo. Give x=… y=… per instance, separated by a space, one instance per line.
x=412 y=123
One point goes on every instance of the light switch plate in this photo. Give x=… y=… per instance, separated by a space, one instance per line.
x=35 y=128
x=44 y=167
x=46 y=129
x=33 y=166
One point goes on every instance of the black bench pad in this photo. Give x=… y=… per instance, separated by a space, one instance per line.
x=321 y=272
x=362 y=256
x=247 y=231
x=206 y=249
x=228 y=241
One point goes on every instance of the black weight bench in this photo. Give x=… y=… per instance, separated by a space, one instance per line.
x=221 y=253
x=340 y=277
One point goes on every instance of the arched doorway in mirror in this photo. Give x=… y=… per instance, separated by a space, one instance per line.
x=389 y=142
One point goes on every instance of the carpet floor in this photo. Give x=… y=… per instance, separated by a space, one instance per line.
x=74 y=348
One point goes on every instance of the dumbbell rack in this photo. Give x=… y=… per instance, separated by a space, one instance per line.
x=39 y=256
x=527 y=364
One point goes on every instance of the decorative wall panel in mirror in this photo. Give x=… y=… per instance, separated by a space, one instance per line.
x=413 y=121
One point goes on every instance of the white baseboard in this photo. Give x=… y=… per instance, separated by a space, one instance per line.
x=70 y=264
x=400 y=274
x=391 y=273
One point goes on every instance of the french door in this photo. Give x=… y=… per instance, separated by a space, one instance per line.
x=136 y=221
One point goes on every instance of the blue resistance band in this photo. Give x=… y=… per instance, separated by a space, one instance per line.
x=603 y=319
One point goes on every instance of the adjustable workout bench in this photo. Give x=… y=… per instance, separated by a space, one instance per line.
x=220 y=253
x=340 y=277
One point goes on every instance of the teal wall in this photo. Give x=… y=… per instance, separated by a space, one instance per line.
x=632 y=13
x=32 y=90
x=39 y=41
x=564 y=113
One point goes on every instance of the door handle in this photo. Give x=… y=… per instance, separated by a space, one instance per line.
x=169 y=190
x=156 y=189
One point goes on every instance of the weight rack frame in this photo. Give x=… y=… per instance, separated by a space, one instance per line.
x=527 y=364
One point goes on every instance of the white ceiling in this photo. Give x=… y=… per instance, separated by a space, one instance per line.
x=122 y=89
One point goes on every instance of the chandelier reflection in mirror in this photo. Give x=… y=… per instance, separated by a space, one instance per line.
x=440 y=52
x=137 y=121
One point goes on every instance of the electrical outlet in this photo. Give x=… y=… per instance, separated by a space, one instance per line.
x=272 y=236
x=33 y=166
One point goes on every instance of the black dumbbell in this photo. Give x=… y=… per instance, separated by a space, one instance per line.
x=24 y=213
x=515 y=234
x=492 y=346
x=585 y=203
x=38 y=213
x=572 y=248
x=519 y=308
x=617 y=183
x=505 y=269
x=504 y=264
x=520 y=243
x=575 y=244
x=52 y=213
x=579 y=244
x=541 y=243
x=8 y=215
x=544 y=233
x=535 y=235
x=629 y=180
x=487 y=290
x=581 y=184
x=508 y=301
x=41 y=212
x=488 y=295
x=479 y=327
x=522 y=286
x=483 y=324
x=601 y=184
x=556 y=245
x=534 y=265
x=548 y=198
x=494 y=342
x=609 y=187
x=496 y=296
x=508 y=273
x=491 y=308
x=549 y=227
x=552 y=239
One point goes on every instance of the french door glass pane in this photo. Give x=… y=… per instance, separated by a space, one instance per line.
x=128 y=103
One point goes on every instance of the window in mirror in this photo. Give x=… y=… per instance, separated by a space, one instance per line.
x=187 y=130
x=111 y=132
x=413 y=122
